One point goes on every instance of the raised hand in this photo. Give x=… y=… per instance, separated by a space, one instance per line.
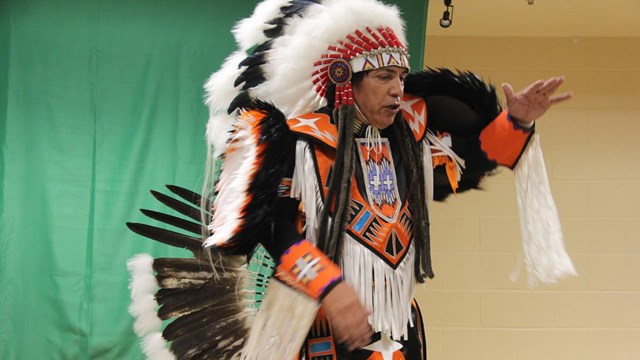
x=531 y=103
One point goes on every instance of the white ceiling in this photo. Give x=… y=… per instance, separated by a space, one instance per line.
x=579 y=18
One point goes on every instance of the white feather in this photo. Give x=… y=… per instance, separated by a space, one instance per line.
x=238 y=170
x=220 y=92
x=155 y=348
x=144 y=307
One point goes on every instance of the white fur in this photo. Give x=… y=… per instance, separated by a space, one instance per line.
x=290 y=62
x=281 y=325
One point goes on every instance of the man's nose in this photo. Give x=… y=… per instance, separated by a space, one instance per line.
x=397 y=88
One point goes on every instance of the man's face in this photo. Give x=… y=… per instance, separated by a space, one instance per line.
x=378 y=95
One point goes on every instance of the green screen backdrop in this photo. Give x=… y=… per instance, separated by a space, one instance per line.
x=100 y=101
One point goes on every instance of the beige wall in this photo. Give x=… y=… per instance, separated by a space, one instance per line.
x=592 y=149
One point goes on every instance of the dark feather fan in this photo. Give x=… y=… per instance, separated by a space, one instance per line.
x=206 y=299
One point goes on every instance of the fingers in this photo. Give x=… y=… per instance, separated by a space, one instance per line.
x=349 y=319
x=550 y=85
x=351 y=327
x=508 y=91
x=560 y=97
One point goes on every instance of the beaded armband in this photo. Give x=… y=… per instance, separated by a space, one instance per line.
x=306 y=268
x=503 y=140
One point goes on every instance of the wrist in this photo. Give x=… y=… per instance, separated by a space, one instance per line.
x=306 y=268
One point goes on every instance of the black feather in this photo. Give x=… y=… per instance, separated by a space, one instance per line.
x=218 y=340
x=242 y=100
x=263 y=47
x=253 y=60
x=186 y=194
x=174 y=221
x=168 y=237
x=186 y=301
x=195 y=321
x=251 y=77
x=179 y=206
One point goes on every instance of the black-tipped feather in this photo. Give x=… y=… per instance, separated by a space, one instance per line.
x=254 y=60
x=250 y=75
x=242 y=100
x=177 y=205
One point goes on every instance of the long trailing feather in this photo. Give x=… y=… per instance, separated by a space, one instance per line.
x=186 y=194
x=174 y=221
x=195 y=321
x=168 y=237
x=179 y=206
x=211 y=341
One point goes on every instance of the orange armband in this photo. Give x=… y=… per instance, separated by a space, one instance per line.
x=306 y=268
x=503 y=141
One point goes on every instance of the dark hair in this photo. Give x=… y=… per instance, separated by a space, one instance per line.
x=339 y=187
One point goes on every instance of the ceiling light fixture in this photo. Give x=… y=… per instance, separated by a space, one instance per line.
x=447 y=15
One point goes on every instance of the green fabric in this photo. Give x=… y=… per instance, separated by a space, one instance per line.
x=100 y=101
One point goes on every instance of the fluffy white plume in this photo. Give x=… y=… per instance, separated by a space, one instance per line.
x=250 y=31
x=219 y=94
x=143 y=286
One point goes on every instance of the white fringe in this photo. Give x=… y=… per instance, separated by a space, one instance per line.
x=144 y=307
x=281 y=326
x=545 y=256
x=391 y=304
x=305 y=187
x=427 y=168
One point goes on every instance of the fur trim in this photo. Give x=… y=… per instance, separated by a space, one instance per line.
x=545 y=256
x=282 y=324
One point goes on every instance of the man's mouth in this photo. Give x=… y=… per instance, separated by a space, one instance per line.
x=393 y=107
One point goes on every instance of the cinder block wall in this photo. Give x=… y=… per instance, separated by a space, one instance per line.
x=592 y=150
